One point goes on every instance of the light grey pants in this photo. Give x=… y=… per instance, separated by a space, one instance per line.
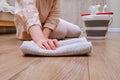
x=65 y=30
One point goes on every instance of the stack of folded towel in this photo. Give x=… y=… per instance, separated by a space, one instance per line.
x=75 y=46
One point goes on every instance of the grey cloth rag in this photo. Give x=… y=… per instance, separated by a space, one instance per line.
x=75 y=46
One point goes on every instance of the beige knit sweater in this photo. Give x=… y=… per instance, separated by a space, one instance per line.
x=35 y=12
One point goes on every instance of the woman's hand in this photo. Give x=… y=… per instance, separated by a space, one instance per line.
x=48 y=44
x=41 y=38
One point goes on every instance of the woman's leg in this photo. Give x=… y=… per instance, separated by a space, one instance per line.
x=60 y=32
x=65 y=30
x=73 y=31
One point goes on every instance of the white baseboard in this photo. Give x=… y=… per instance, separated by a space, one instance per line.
x=109 y=30
x=113 y=29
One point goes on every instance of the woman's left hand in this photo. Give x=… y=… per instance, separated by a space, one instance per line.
x=53 y=43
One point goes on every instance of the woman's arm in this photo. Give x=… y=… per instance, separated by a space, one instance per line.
x=46 y=32
x=33 y=25
x=37 y=35
x=41 y=40
x=30 y=13
x=53 y=18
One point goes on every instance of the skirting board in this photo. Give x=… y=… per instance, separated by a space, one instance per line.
x=109 y=30
x=113 y=29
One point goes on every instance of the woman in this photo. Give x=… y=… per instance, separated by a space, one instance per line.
x=39 y=20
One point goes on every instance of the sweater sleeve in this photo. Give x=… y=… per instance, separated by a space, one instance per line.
x=27 y=11
x=53 y=17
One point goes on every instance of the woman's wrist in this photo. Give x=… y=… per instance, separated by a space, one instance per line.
x=46 y=32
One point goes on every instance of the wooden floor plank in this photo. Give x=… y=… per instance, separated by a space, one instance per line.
x=11 y=57
x=105 y=59
x=10 y=65
x=66 y=68
x=14 y=66
x=103 y=64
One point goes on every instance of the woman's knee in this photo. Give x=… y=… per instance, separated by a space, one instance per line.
x=73 y=30
x=66 y=30
x=60 y=32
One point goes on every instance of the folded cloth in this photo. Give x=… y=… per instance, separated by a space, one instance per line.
x=76 y=46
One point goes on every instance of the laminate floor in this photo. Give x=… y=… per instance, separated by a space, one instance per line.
x=102 y=64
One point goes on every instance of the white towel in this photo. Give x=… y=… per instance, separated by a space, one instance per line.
x=76 y=46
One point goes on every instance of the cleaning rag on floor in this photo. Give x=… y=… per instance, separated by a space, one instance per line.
x=75 y=46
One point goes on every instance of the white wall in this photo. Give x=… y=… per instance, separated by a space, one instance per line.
x=70 y=11
x=114 y=5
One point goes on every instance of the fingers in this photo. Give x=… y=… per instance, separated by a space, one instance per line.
x=46 y=45
x=49 y=44
x=41 y=46
x=56 y=43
